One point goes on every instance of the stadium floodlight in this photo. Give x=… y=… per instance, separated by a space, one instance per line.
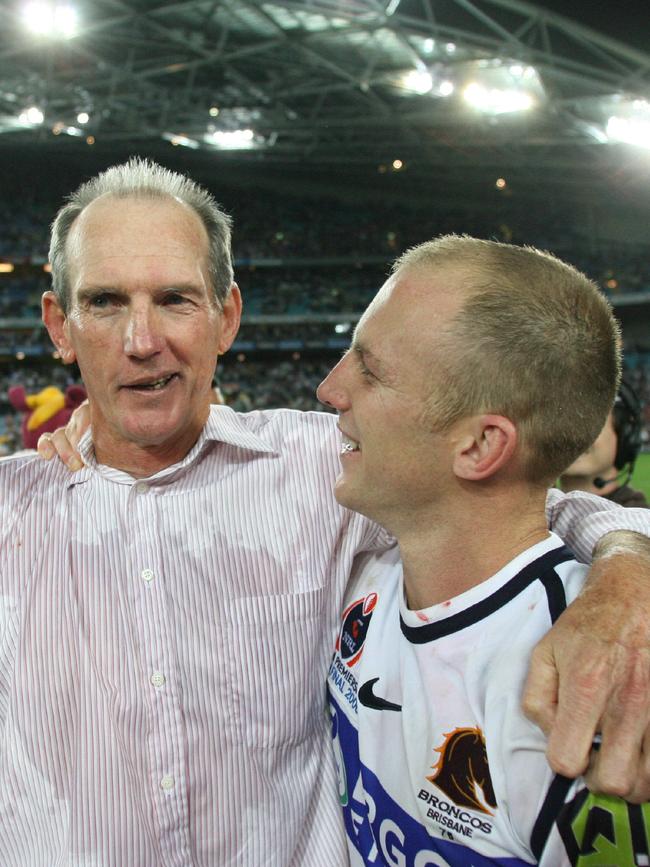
x=422 y=80
x=32 y=116
x=51 y=19
x=36 y=17
x=496 y=101
x=417 y=81
x=629 y=130
x=236 y=139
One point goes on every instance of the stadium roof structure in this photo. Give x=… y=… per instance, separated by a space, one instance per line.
x=334 y=84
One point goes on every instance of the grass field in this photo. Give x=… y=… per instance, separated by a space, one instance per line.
x=641 y=476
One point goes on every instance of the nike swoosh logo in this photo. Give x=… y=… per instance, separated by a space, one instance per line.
x=368 y=698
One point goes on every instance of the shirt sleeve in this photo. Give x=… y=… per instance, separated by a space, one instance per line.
x=582 y=519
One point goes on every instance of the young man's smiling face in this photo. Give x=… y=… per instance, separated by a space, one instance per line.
x=392 y=461
x=143 y=324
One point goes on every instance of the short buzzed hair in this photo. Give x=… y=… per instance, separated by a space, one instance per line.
x=144 y=179
x=535 y=341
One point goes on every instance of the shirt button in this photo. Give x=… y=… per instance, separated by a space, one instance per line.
x=167 y=783
x=146 y=575
x=157 y=679
x=141 y=488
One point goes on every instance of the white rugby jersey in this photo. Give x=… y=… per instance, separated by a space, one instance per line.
x=437 y=763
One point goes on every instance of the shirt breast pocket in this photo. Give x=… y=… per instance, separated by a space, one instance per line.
x=278 y=661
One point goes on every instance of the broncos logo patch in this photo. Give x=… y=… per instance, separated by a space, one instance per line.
x=462 y=771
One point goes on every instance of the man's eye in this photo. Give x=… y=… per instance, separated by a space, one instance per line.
x=367 y=374
x=174 y=298
x=100 y=301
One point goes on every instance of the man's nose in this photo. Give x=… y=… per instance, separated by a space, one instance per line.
x=143 y=336
x=330 y=391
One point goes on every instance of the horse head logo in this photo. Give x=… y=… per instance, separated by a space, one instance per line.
x=462 y=771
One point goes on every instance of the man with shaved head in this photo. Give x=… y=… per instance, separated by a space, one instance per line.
x=476 y=375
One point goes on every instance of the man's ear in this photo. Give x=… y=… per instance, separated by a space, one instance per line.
x=56 y=323
x=231 y=317
x=486 y=444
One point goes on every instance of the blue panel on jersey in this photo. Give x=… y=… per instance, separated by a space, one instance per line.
x=383 y=833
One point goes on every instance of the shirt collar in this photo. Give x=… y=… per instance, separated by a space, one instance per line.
x=224 y=425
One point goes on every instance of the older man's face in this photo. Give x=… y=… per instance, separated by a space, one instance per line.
x=143 y=324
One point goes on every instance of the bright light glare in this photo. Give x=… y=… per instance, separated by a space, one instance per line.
x=38 y=17
x=429 y=45
x=233 y=139
x=65 y=21
x=417 y=80
x=632 y=131
x=83 y=117
x=31 y=115
x=49 y=19
x=450 y=47
x=496 y=101
x=180 y=140
x=446 y=88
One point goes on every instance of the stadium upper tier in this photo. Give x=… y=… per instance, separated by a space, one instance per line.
x=298 y=255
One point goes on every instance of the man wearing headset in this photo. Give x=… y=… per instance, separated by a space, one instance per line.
x=607 y=466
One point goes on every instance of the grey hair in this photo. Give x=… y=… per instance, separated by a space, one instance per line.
x=145 y=179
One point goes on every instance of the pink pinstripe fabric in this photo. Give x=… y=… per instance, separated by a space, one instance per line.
x=163 y=649
x=174 y=716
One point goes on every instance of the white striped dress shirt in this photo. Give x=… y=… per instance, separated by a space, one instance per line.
x=163 y=650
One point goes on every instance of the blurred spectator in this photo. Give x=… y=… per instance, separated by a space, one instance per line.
x=607 y=466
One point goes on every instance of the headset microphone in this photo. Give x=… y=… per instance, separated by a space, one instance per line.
x=600 y=482
x=627 y=414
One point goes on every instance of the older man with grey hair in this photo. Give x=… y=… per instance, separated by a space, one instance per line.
x=167 y=613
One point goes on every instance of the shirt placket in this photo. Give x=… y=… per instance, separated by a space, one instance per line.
x=166 y=741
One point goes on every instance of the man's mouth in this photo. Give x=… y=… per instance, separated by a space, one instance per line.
x=152 y=384
x=349 y=445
